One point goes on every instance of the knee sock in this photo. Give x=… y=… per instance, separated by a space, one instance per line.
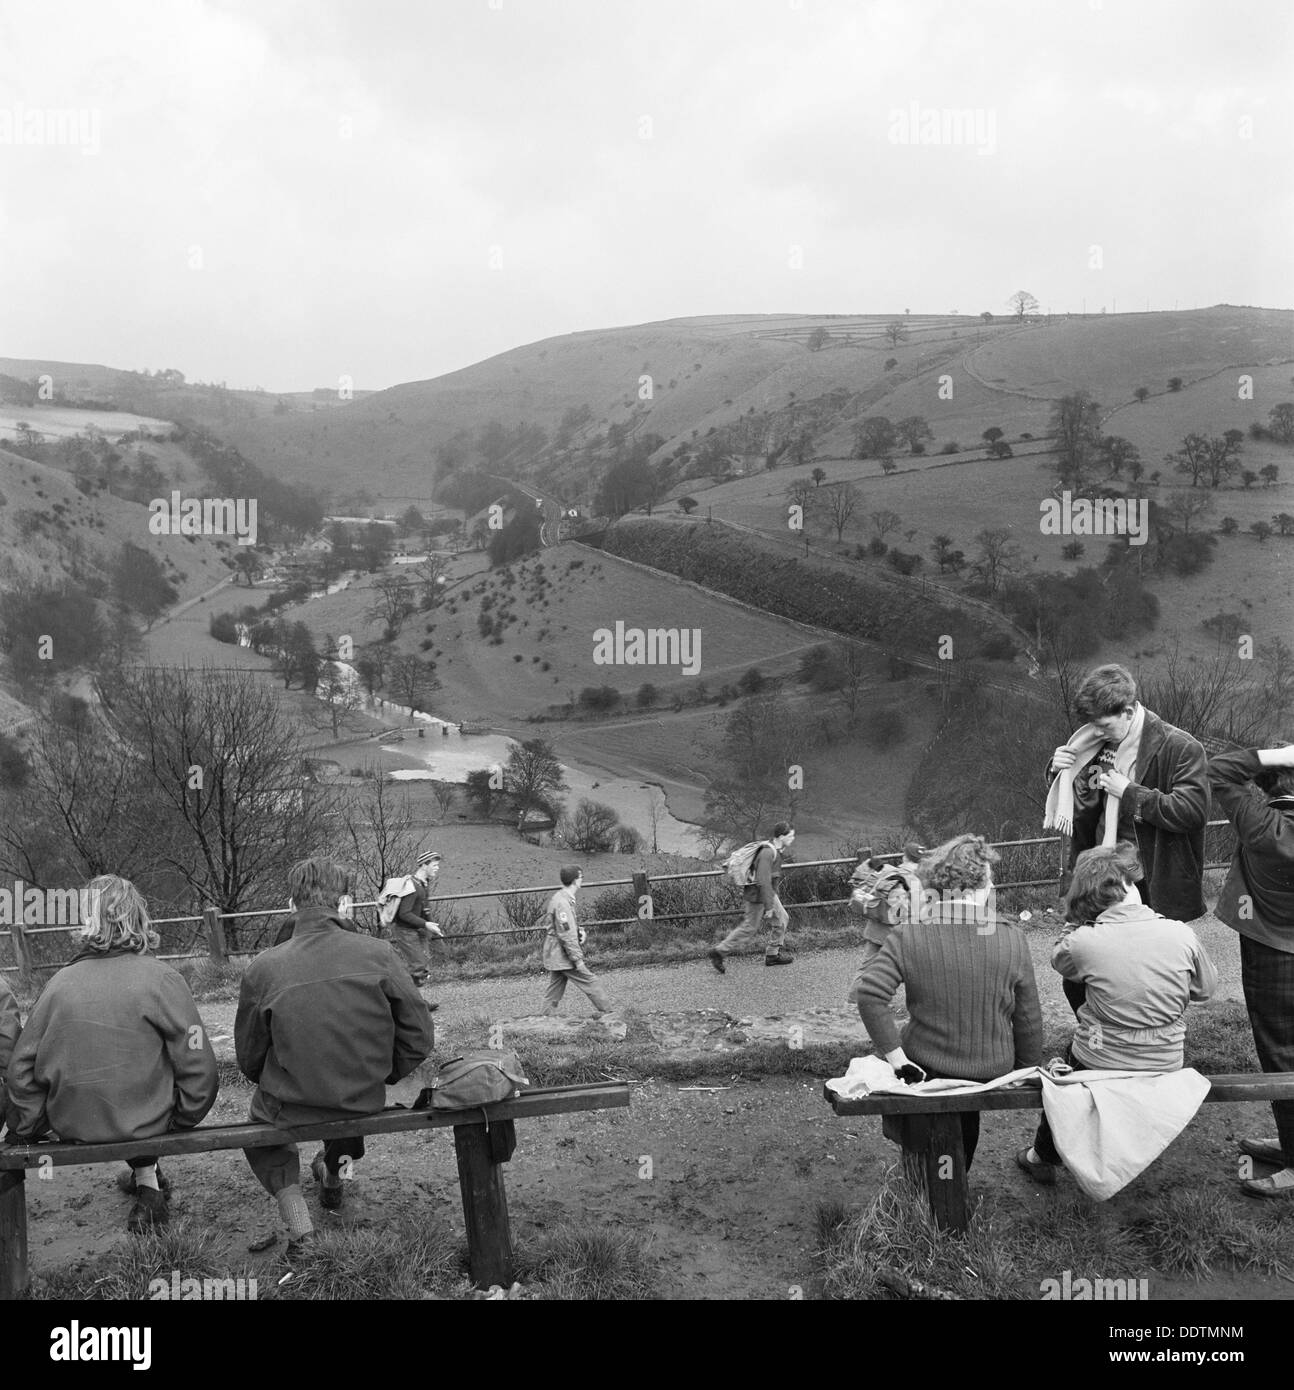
x=293 y=1210
x=147 y=1177
x=1285 y=1178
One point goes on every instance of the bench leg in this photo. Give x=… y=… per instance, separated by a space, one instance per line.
x=933 y=1159
x=13 y=1234
x=481 y=1157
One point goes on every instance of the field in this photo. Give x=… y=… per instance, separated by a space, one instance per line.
x=59 y=422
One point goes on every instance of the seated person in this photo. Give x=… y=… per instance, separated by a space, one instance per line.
x=1140 y=970
x=10 y=1027
x=968 y=976
x=114 y=1049
x=325 y=1023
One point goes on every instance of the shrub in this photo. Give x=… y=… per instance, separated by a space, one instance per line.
x=1228 y=526
x=1072 y=550
x=647 y=695
x=599 y=697
x=903 y=562
x=952 y=447
x=751 y=682
x=998 y=647
x=877 y=547
x=918 y=447
x=223 y=628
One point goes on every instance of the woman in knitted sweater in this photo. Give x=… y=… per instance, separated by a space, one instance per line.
x=968 y=977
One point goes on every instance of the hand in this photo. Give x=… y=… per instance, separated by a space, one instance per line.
x=1062 y=758
x=433 y=929
x=1113 y=782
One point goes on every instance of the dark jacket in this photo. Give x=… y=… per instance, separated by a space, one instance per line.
x=1258 y=897
x=971 y=997
x=1163 y=812
x=113 y=1050
x=327 y=1020
x=10 y=1027
x=284 y=933
x=413 y=907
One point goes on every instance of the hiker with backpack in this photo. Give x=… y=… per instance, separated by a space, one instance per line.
x=564 y=948
x=402 y=906
x=325 y=1023
x=885 y=897
x=756 y=869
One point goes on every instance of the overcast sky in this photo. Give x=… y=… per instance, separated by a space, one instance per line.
x=279 y=192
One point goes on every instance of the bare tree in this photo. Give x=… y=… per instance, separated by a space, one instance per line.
x=885 y=521
x=218 y=754
x=412 y=682
x=1022 y=303
x=896 y=332
x=533 y=775
x=444 y=793
x=842 y=500
x=378 y=831
x=394 y=601
x=1187 y=504
x=998 y=556
x=655 y=814
x=337 y=699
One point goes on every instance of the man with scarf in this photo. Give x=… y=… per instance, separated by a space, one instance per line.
x=1128 y=775
x=1258 y=902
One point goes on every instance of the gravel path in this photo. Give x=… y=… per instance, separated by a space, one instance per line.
x=749 y=989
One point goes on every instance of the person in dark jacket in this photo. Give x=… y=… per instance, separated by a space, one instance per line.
x=114 y=1049
x=1128 y=775
x=1258 y=902
x=971 y=995
x=761 y=899
x=325 y=1022
x=412 y=930
x=10 y=1027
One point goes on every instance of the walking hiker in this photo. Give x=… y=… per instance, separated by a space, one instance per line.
x=114 y=1050
x=1258 y=902
x=412 y=930
x=564 y=948
x=1128 y=775
x=759 y=891
x=325 y=1023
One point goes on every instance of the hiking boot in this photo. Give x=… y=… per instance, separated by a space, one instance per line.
x=1265 y=1150
x=716 y=959
x=126 y=1181
x=1044 y=1173
x=1268 y=1187
x=150 y=1209
x=330 y=1187
x=779 y=957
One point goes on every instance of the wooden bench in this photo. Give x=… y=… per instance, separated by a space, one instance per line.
x=928 y=1130
x=484 y=1140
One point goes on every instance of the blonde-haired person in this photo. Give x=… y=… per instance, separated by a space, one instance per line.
x=114 y=1049
x=971 y=996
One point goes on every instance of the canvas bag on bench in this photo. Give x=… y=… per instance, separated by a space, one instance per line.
x=473 y=1080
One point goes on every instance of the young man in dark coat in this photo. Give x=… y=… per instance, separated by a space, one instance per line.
x=1258 y=902
x=325 y=1023
x=1128 y=775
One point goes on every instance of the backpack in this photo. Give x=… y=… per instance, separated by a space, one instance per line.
x=739 y=865
x=388 y=900
x=884 y=895
x=474 y=1079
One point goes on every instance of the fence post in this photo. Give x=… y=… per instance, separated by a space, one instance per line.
x=642 y=889
x=215 y=931
x=1062 y=878
x=21 y=948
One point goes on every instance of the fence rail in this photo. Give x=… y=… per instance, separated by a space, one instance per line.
x=211 y=920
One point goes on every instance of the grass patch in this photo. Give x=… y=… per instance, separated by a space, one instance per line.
x=404 y=1261
x=1219 y=1039
x=573 y=1265
x=892 y=1249
x=125 y=1273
